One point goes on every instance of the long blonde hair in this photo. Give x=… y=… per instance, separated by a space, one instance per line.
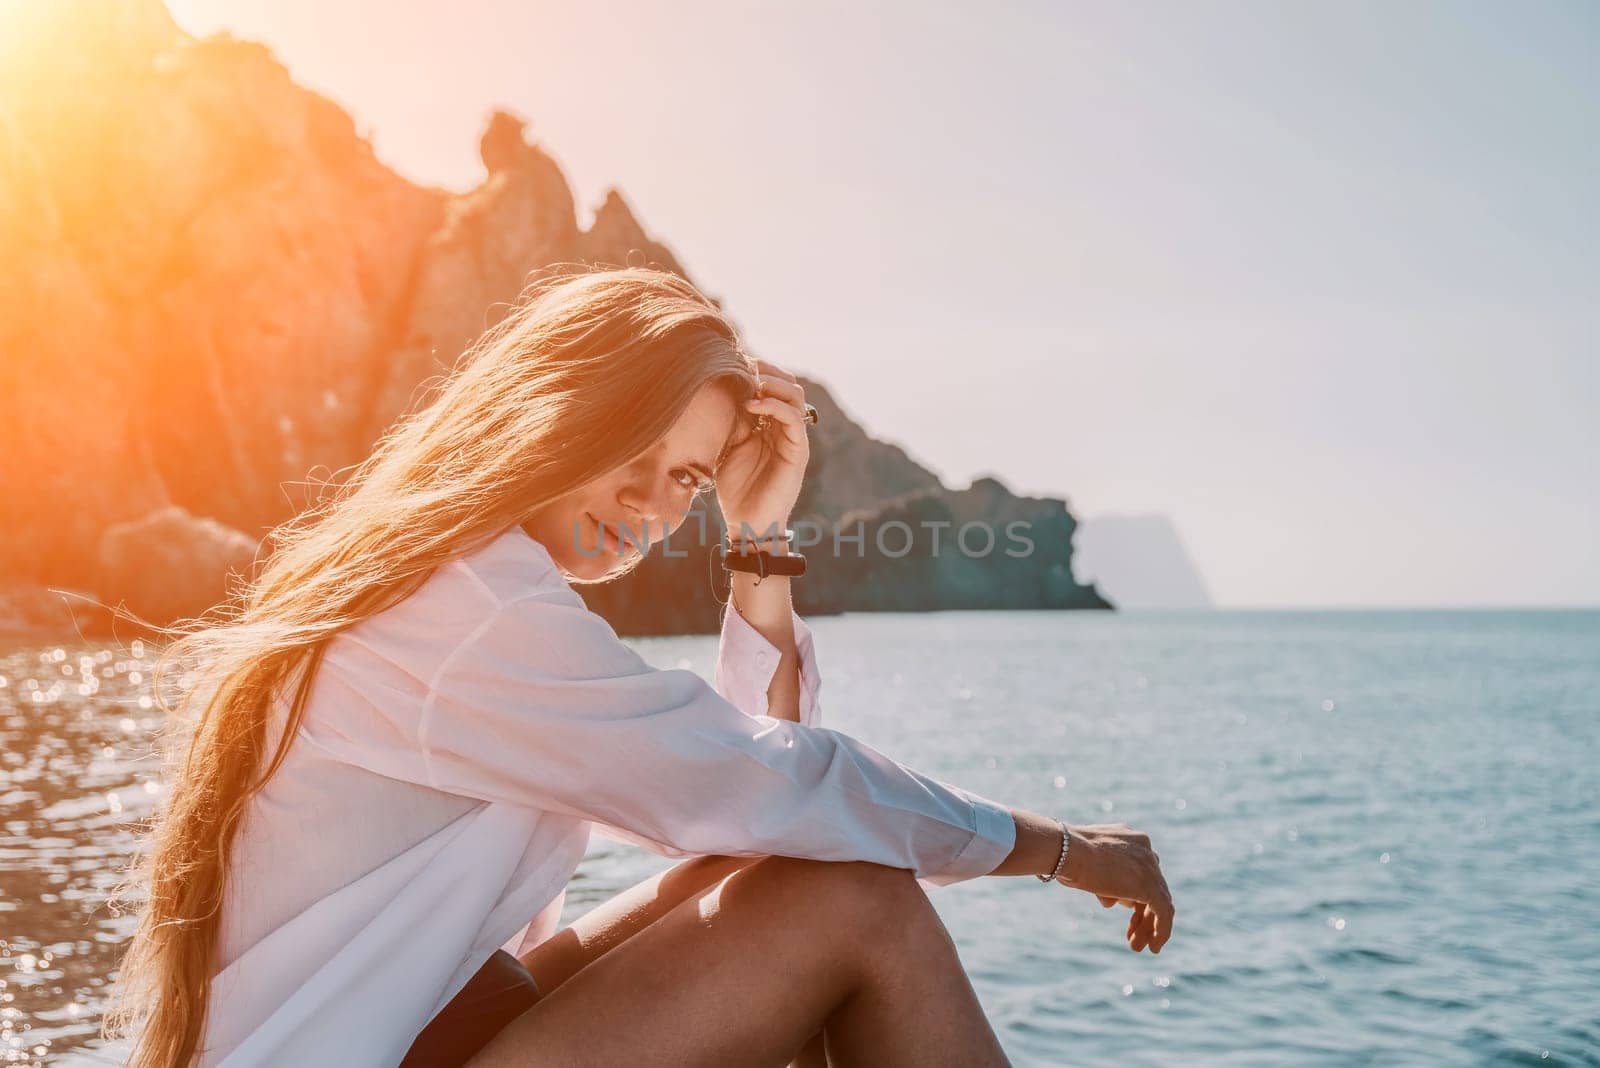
x=591 y=369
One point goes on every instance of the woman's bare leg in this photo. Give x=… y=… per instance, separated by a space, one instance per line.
x=748 y=970
x=619 y=918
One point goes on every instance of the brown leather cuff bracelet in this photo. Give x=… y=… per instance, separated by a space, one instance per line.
x=788 y=565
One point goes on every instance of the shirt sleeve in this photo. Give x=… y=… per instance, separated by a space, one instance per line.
x=545 y=706
x=747 y=663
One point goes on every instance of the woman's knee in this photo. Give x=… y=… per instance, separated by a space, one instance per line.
x=852 y=899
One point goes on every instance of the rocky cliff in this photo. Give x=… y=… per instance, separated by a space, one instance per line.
x=214 y=296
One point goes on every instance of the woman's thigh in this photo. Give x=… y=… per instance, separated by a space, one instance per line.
x=501 y=991
x=619 y=918
x=744 y=972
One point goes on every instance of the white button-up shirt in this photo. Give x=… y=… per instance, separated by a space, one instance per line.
x=455 y=753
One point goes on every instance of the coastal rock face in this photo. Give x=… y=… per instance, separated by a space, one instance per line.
x=981 y=547
x=214 y=298
x=851 y=469
x=468 y=272
x=170 y=565
x=211 y=263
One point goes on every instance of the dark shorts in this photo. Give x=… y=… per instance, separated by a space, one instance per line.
x=500 y=992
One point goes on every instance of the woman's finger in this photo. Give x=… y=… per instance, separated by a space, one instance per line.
x=1108 y=902
x=1152 y=929
x=767 y=367
x=1165 y=934
x=1141 y=932
x=793 y=392
x=792 y=419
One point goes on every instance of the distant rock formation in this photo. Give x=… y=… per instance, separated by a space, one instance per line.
x=1140 y=562
x=971 y=548
x=214 y=296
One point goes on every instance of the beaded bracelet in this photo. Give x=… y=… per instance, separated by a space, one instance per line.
x=1061 y=862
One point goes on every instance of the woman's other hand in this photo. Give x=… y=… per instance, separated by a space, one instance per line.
x=760 y=478
x=1116 y=864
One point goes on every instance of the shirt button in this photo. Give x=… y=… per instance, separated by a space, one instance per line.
x=761 y=658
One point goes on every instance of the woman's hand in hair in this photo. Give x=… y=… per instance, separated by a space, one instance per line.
x=761 y=476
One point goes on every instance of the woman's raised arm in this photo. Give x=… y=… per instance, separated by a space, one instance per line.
x=748 y=665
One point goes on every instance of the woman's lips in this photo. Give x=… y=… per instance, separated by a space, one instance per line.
x=608 y=535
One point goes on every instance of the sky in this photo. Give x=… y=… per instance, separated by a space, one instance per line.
x=1317 y=281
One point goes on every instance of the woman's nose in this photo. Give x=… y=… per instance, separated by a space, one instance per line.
x=640 y=506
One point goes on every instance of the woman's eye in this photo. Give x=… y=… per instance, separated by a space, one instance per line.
x=690 y=481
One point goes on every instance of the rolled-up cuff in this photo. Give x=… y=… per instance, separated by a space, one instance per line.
x=992 y=842
x=747 y=663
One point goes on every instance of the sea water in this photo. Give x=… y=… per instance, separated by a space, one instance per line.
x=1380 y=829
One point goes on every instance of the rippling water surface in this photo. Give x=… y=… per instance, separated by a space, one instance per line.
x=1381 y=829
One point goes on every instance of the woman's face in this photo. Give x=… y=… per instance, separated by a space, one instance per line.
x=642 y=501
